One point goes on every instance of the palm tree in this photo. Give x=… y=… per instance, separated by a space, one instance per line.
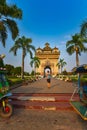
x=24 y=44
x=35 y=60
x=7 y=14
x=61 y=64
x=76 y=45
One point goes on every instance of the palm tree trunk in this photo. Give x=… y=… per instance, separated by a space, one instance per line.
x=22 y=68
x=77 y=59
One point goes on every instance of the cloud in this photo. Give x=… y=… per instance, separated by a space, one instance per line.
x=67 y=36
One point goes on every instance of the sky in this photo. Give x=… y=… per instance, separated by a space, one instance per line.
x=52 y=21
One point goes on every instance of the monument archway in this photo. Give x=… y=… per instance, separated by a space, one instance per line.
x=47 y=68
x=48 y=59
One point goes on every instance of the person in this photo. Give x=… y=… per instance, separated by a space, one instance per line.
x=48 y=79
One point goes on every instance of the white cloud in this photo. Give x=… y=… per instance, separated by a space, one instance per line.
x=67 y=37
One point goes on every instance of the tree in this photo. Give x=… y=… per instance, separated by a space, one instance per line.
x=1 y=63
x=84 y=29
x=24 y=44
x=10 y=69
x=36 y=62
x=76 y=45
x=61 y=64
x=17 y=70
x=7 y=14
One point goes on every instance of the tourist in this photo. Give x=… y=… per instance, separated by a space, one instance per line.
x=48 y=79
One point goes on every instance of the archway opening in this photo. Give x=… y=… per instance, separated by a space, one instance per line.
x=47 y=68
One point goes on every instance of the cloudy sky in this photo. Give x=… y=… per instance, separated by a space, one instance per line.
x=52 y=21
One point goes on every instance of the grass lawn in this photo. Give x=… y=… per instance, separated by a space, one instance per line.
x=14 y=80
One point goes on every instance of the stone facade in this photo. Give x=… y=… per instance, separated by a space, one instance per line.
x=48 y=59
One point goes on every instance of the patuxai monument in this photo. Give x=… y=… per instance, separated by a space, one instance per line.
x=48 y=59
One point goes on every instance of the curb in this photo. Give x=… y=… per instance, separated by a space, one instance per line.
x=43 y=108
x=44 y=105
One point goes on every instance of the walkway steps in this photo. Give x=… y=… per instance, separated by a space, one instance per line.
x=42 y=101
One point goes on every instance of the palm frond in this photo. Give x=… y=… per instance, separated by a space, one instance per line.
x=7 y=12
x=12 y=27
x=10 y=10
x=3 y=33
x=15 y=12
x=14 y=49
x=31 y=47
x=84 y=29
x=85 y=49
x=30 y=52
x=69 y=43
x=70 y=50
x=2 y=2
x=35 y=60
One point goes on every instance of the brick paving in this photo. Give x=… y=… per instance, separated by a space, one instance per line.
x=36 y=95
x=34 y=119
x=23 y=119
x=40 y=86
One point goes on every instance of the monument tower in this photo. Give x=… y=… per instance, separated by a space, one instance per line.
x=48 y=59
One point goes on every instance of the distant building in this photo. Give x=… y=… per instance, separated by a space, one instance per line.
x=48 y=59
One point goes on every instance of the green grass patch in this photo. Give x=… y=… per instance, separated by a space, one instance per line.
x=14 y=80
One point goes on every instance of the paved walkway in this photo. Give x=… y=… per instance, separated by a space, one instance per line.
x=44 y=120
x=36 y=95
x=40 y=86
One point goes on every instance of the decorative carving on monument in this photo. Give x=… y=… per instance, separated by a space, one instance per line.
x=47 y=62
x=48 y=56
x=43 y=65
